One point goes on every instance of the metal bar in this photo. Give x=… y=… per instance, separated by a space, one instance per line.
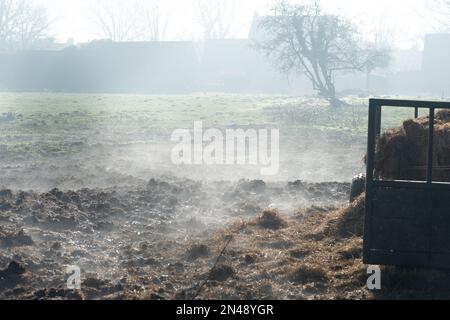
x=416 y=112
x=412 y=103
x=373 y=106
x=430 y=147
x=406 y=252
x=411 y=185
x=415 y=260
x=377 y=121
x=430 y=175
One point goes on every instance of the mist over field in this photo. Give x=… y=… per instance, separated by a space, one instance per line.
x=129 y=137
x=102 y=169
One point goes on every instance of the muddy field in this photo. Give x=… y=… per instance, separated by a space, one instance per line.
x=146 y=243
x=121 y=237
x=87 y=181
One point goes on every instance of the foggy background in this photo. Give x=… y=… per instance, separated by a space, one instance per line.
x=167 y=48
x=152 y=38
x=180 y=47
x=406 y=20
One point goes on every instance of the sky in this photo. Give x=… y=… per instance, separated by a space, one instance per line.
x=404 y=20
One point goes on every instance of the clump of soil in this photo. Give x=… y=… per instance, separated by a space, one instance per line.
x=256 y=186
x=271 y=219
x=304 y=274
x=6 y=194
x=13 y=269
x=11 y=275
x=351 y=251
x=198 y=251
x=299 y=254
x=249 y=259
x=15 y=239
x=221 y=273
x=94 y=283
x=58 y=294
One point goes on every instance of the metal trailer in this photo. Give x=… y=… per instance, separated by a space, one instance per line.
x=407 y=223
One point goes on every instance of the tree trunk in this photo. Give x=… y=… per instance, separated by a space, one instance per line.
x=336 y=103
x=329 y=93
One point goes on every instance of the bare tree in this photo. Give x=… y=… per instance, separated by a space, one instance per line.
x=303 y=40
x=115 y=20
x=439 y=15
x=22 y=24
x=154 y=20
x=217 y=18
x=130 y=20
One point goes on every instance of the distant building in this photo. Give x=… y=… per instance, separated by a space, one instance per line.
x=143 y=67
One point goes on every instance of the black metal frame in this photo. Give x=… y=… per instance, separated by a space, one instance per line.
x=371 y=256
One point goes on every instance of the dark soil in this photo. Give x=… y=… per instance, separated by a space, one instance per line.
x=136 y=241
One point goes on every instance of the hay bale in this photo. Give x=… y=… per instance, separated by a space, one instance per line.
x=348 y=222
x=401 y=153
x=351 y=220
x=271 y=219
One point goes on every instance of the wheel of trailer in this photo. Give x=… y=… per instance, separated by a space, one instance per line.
x=358 y=186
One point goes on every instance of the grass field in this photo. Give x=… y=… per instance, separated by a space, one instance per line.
x=317 y=142
x=43 y=113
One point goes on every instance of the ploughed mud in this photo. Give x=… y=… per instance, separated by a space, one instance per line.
x=138 y=242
